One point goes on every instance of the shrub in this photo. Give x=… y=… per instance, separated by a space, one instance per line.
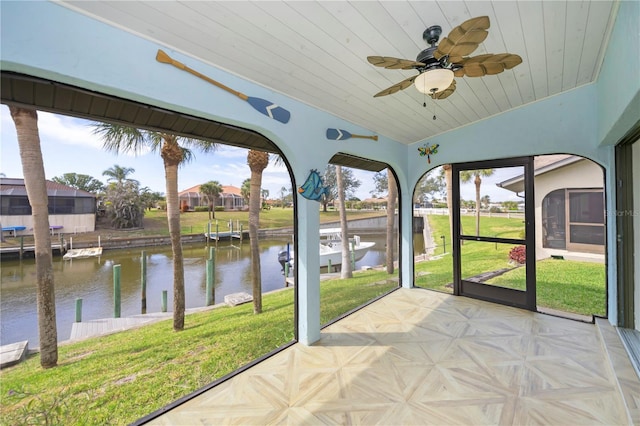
x=218 y=208
x=518 y=254
x=201 y=208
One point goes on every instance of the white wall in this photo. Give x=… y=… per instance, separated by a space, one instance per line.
x=636 y=230
x=71 y=223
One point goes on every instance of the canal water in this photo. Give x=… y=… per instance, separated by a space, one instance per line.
x=91 y=280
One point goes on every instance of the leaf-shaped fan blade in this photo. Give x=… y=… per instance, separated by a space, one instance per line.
x=391 y=63
x=396 y=87
x=463 y=39
x=445 y=93
x=489 y=64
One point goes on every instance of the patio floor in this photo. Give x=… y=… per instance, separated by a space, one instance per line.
x=422 y=357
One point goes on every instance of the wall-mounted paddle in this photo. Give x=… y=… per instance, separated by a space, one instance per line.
x=340 y=135
x=261 y=105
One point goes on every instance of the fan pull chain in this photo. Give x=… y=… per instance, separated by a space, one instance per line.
x=434 y=103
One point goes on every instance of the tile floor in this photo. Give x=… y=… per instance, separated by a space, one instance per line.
x=422 y=357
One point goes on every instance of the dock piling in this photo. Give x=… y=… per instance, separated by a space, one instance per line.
x=116 y=291
x=143 y=280
x=164 y=301
x=21 y=247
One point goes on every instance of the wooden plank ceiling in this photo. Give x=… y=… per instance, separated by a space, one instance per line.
x=315 y=51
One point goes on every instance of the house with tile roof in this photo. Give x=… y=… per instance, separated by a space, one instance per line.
x=230 y=198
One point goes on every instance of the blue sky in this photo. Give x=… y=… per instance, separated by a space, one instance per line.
x=68 y=146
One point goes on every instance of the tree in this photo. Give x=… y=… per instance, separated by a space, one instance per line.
x=257 y=161
x=119 y=174
x=150 y=198
x=26 y=122
x=391 y=217
x=125 y=205
x=467 y=176
x=283 y=193
x=381 y=184
x=174 y=151
x=430 y=185
x=245 y=189
x=386 y=182
x=81 y=182
x=510 y=205
x=486 y=201
x=345 y=267
x=211 y=190
x=350 y=184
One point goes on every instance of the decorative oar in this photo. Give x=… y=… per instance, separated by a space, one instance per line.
x=261 y=105
x=340 y=135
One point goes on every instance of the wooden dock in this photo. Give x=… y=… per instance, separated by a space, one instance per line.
x=29 y=249
x=99 y=327
x=82 y=253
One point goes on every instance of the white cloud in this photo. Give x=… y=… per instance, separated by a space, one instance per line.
x=66 y=130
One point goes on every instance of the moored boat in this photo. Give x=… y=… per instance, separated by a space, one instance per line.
x=331 y=248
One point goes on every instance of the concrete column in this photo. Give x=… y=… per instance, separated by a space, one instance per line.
x=308 y=270
x=406 y=238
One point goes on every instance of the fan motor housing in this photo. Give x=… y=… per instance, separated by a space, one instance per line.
x=426 y=57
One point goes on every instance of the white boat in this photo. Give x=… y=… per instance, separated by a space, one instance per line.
x=331 y=248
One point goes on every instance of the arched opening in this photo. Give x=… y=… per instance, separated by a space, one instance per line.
x=373 y=231
x=216 y=342
x=570 y=223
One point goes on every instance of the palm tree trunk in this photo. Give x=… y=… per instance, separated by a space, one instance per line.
x=257 y=161
x=391 y=217
x=345 y=267
x=172 y=155
x=26 y=121
x=254 y=225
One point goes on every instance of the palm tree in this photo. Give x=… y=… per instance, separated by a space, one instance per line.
x=119 y=174
x=211 y=190
x=245 y=190
x=466 y=176
x=283 y=193
x=26 y=122
x=345 y=267
x=392 y=195
x=117 y=138
x=257 y=161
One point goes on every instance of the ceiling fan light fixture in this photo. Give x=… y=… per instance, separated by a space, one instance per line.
x=434 y=80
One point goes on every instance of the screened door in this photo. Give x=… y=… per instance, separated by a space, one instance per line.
x=494 y=234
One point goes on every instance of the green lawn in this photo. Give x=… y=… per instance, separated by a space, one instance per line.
x=119 y=378
x=569 y=286
x=195 y=222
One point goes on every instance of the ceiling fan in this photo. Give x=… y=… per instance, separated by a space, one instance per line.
x=438 y=64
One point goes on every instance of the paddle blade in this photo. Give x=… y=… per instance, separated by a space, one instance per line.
x=337 y=134
x=161 y=56
x=270 y=109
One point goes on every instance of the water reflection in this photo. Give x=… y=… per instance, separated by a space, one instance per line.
x=92 y=280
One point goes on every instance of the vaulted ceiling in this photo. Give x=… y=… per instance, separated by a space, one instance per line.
x=315 y=51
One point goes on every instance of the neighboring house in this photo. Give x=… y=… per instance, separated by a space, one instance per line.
x=70 y=209
x=569 y=206
x=230 y=198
